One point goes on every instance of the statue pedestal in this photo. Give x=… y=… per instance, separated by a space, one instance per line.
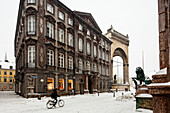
x=160 y=90
x=143 y=98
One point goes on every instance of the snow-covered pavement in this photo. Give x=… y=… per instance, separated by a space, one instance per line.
x=88 y=103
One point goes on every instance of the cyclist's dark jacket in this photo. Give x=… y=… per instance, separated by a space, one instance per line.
x=54 y=95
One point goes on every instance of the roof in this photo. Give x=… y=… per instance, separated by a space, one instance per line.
x=6 y=65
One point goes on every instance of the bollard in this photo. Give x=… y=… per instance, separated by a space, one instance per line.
x=122 y=94
x=98 y=93
x=113 y=93
x=39 y=97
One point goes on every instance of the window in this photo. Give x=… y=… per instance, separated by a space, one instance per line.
x=88 y=66
x=80 y=44
x=50 y=30
x=95 y=51
x=88 y=48
x=10 y=79
x=61 y=15
x=70 y=21
x=5 y=73
x=107 y=57
x=70 y=39
x=61 y=60
x=103 y=43
x=80 y=65
x=103 y=56
x=50 y=56
x=95 y=67
x=95 y=38
x=61 y=35
x=88 y=32
x=107 y=71
x=70 y=62
x=31 y=1
x=50 y=83
x=31 y=55
x=103 y=70
x=99 y=53
x=31 y=25
x=5 y=79
x=10 y=73
x=61 y=83
x=100 y=70
x=80 y=27
x=0 y=79
x=70 y=84
x=50 y=8
x=106 y=45
x=0 y=72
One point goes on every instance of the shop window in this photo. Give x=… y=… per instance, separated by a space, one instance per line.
x=50 y=83
x=61 y=83
x=70 y=84
x=10 y=87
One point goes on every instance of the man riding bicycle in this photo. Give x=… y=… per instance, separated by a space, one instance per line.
x=54 y=95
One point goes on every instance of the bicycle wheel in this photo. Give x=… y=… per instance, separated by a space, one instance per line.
x=50 y=104
x=61 y=103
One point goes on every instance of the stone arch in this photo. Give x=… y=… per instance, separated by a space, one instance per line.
x=121 y=53
x=119 y=47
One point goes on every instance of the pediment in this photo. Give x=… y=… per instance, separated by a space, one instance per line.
x=88 y=18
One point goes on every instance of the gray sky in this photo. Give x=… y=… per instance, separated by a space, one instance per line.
x=137 y=18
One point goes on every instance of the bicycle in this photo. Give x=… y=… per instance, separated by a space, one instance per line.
x=51 y=103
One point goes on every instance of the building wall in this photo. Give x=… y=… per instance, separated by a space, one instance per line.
x=7 y=86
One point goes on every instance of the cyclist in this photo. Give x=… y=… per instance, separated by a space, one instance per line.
x=54 y=95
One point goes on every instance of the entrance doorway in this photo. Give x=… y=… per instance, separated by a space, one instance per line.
x=81 y=86
x=90 y=88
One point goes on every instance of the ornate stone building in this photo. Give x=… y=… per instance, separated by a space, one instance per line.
x=56 y=47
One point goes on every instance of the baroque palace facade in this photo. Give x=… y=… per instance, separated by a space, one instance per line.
x=56 y=47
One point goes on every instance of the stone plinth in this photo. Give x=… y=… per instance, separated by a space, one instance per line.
x=161 y=97
x=143 y=98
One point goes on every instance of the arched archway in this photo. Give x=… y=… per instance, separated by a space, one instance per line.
x=120 y=64
x=119 y=48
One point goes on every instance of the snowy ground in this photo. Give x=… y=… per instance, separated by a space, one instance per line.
x=104 y=103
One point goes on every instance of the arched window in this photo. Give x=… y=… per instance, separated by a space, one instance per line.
x=50 y=56
x=80 y=44
x=95 y=51
x=70 y=62
x=95 y=67
x=50 y=30
x=61 y=35
x=88 y=66
x=80 y=65
x=61 y=60
x=70 y=39
x=88 y=48
x=31 y=25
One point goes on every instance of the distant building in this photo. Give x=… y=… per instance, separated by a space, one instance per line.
x=56 y=47
x=7 y=73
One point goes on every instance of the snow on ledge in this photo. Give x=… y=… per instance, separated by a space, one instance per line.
x=160 y=84
x=144 y=95
x=162 y=72
x=143 y=88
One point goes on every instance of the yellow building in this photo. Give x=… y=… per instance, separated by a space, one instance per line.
x=7 y=72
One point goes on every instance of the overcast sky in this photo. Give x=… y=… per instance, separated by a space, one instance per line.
x=137 y=18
